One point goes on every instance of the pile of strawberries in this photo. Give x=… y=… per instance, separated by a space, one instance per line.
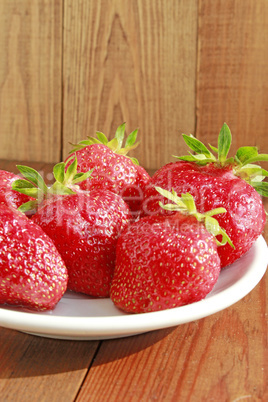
x=105 y=228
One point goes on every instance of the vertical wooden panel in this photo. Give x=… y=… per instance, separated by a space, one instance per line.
x=30 y=79
x=132 y=61
x=232 y=71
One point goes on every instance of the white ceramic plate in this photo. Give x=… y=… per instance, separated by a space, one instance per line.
x=80 y=318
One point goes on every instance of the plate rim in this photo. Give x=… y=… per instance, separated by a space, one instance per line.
x=84 y=327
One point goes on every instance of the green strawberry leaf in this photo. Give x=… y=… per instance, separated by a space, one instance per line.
x=33 y=176
x=33 y=192
x=172 y=196
x=60 y=189
x=124 y=151
x=261 y=188
x=188 y=200
x=65 y=182
x=70 y=177
x=244 y=154
x=80 y=145
x=215 y=211
x=229 y=161
x=131 y=139
x=28 y=206
x=171 y=207
x=258 y=158
x=186 y=158
x=22 y=184
x=119 y=134
x=113 y=144
x=199 y=159
x=79 y=177
x=197 y=146
x=224 y=143
x=26 y=187
x=252 y=172
x=70 y=173
x=242 y=163
x=59 y=171
x=214 y=149
x=90 y=141
x=256 y=179
x=213 y=227
x=102 y=137
x=134 y=160
x=186 y=205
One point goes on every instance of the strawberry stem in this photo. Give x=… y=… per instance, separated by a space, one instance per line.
x=242 y=163
x=186 y=205
x=34 y=186
x=115 y=144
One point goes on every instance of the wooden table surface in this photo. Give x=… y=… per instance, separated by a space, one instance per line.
x=223 y=357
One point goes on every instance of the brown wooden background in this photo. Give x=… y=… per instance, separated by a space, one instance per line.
x=71 y=67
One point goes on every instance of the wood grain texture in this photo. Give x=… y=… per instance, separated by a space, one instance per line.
x=220 y=358
x=30 y=79
x=165 y=67
x=232 y=71
x=40 y=369
x=132 y=61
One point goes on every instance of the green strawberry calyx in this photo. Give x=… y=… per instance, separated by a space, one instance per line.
x=116 y=144
x=34 y=186
x=243 y=163
x=186 y=205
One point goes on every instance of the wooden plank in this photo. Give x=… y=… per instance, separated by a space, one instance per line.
x=30 y=79
x=232 y=71
x=132 y=61
x=222 y=357
x=40 y=369
x=11 y=165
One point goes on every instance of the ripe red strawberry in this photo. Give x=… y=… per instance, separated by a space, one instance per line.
x=231 y=183
x=32 y=272
x=167 y=261
x=12 y=198
x=84 y=227
x=113 y=169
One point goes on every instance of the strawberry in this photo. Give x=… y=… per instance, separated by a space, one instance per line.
x=167 y=261
x=84 y=227
x=233 y=183
x=12 y=198
x=32 y=272
x=113 y=169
